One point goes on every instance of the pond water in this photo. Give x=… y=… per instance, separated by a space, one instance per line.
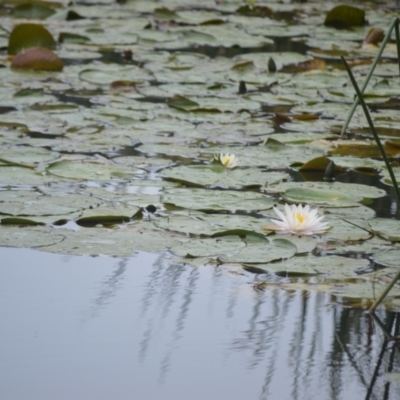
x=122 y=328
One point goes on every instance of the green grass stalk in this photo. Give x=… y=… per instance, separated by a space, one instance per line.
x=394 y=24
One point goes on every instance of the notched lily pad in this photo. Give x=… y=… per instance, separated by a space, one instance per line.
x=29 y=237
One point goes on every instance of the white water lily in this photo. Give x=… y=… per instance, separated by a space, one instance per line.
x=229 y=161
x=299 y=220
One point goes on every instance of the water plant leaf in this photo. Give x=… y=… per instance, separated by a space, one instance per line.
x=32 y=11
x=91 y=171
x=24 y=36
x=390 y=258
x=29 y=237
x=200 y=224
x=37 y=58
x=354 y=190
x=111 y=242
x=259 y=253
x=216 y=200
x=108 y=215
x=206 y=247
x=388 y=229
x=217 y=176
x=344 y=16
x=320 y=197
x=326 y=269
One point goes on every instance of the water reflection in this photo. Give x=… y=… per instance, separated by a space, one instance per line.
x=157 y=330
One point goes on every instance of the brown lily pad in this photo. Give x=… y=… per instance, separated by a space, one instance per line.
x=37 y=58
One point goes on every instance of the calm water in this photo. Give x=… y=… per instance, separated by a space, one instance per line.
x=115 y=328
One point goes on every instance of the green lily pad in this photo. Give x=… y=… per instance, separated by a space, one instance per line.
x=24 y=36
x=32 y=11
x=216 y=200
x=259 y=253
x=345 y=16
x=389 y=258
x=388 y=229
x=325 y=269
x=28 y=237
x=112 y=242
x=356 y=192
x=108 y=215
x=321 y=197
x=214 y=176
x=207 y=247
x=91 y=171
x=200 y=224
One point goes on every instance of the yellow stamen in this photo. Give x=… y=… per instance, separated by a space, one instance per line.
x=299 y=217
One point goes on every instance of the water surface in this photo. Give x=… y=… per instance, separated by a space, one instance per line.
x=139 y=328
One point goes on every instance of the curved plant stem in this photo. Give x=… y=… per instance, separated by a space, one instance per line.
x=394 y=24
x=384 y=293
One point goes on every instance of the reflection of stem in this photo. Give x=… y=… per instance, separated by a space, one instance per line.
x=351 y=359
x=378 y=365
x=391 y=359
x=382 y=326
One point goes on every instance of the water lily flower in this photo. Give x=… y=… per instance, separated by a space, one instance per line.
x=229 y=161
x=299 y=220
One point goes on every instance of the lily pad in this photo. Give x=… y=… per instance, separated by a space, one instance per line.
x=91 y=171
x=217 y=176
x=388 y=229
x=37 y=58
x=216 y=200
x=24 y=36
x=259 y=253
x=321 y=197
x=28 y=237
x=389 y=258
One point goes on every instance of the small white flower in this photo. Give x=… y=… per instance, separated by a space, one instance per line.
x=229 y=161
x=299 y=220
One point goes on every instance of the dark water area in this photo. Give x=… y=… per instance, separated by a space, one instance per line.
x=139 y=328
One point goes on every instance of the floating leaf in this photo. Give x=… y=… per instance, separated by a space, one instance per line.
x=374 y=36
x=388 y=229
x=254 y=11
x=389 y=258
x=37 y=58
x=25 y=36
x=32 y=11
x=344 y=16
x=218 y=176
x=216 y=200
x=91 y=171
x=320 y=197
x=108 y=215
x=207 y=247
x=259 y=253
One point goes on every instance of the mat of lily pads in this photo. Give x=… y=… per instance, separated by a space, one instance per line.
x=112 y=152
